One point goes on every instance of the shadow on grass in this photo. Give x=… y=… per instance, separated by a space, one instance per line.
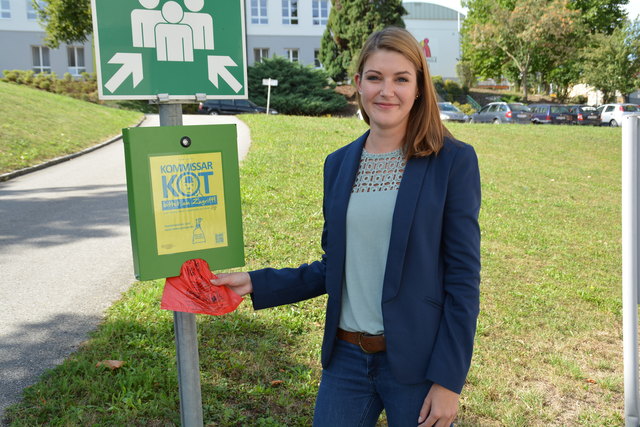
x=31 y=349
x=249 y=372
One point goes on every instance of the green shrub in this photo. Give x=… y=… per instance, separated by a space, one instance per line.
x=438 y=82
x=580 y=99
x=26 y=78
x=301 y=90
x=511 y=98
x=10 y=75
x=84 y=87
x=465 y=108
x=452 y=89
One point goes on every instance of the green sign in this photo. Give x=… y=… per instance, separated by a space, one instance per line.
x=183 y=187
x=170 y=50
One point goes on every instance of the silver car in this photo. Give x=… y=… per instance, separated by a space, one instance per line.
x=451 y=113
x=612 y=114
x=502 y=112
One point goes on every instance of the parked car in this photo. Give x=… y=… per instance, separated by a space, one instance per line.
x=585 y=115
x=231 y=106
x=612 y=114
x=550 y=114
x=502 y=112
x=451 y=113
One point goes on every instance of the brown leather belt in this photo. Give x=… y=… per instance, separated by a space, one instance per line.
x=368 y=343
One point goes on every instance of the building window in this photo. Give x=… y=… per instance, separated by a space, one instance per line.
x=75 y=56
x=260 y=53
x=292 y=54
x=316 y=58
x=5 y=9
x=32 y=13
x=259 y=12
x=320 y=12
x=41 y=62
x=290 y=12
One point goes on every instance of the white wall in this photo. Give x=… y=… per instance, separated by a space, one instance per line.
x=18 y=20
x=444 y=42
x=275 y=27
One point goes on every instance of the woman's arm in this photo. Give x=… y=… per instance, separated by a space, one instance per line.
x=460 y=245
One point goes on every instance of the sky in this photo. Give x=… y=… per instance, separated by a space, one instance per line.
x=633 y=8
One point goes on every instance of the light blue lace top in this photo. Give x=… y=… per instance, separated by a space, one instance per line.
x=369 y=218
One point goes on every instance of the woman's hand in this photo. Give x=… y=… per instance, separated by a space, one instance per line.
x=440 y=407
x=240 y=283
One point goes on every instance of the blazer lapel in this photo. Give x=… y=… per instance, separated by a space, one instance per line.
x=408 y=194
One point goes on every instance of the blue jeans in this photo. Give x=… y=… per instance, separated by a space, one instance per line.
x=357 y=386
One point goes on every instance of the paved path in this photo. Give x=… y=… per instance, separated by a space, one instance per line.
x=65 y=256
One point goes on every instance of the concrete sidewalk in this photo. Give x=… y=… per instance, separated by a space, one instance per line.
x=65 y=256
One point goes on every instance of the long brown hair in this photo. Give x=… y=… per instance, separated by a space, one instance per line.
x=425 y=131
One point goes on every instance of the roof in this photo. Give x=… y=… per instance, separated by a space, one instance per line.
x=430 y=11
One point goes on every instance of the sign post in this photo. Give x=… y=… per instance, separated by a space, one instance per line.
x=185 y=182
x=184 y=325
x=269 y=83
x=630 y=272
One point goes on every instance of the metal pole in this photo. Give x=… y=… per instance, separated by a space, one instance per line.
x=185 y=327
x=268 y=95
x=630 y=211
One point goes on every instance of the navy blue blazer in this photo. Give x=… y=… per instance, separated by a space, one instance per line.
x=431 y=288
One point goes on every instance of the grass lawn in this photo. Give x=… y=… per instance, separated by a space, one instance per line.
x=549 y=343
x=38 y=126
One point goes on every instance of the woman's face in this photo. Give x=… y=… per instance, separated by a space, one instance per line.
x=388 y=88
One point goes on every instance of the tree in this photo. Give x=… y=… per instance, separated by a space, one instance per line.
x=521 y=34
x=483 y=61
x=300 y=90
x=613 y=61
x=65 y=21
x=350 y=23
x=600 y=16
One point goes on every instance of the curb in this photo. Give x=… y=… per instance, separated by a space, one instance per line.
x=10 y=175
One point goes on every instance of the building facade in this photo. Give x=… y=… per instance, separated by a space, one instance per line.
x=289 y=28
x=293 y=29
x=22 y=44
x=437 y=28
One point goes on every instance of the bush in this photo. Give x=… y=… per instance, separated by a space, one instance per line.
x=580 y=99
x=453 y=89
x=84 y=87
x=511 y=98
x=449 y=90
x=301 y=90
x=438 y=83
x=465 y=108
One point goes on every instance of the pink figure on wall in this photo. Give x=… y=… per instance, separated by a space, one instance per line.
x=425 y=48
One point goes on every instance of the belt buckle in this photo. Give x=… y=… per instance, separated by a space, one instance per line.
x=360 y=344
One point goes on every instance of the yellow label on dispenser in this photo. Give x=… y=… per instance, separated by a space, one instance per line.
x=188 y=202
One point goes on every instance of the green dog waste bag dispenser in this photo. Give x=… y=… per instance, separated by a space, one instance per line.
x=184 y=198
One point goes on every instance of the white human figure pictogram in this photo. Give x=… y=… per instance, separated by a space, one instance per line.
x=200 y=23
x=174 y=41
x=143 y=23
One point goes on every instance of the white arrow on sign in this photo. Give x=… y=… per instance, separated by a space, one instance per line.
x=218 y=67
x=131 y=64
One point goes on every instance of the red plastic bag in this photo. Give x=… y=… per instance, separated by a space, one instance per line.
x=192 y=291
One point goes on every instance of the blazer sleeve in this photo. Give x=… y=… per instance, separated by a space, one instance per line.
x=451 y=358
x=273 y=287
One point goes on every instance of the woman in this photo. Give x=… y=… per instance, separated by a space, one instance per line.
x=401 y=263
